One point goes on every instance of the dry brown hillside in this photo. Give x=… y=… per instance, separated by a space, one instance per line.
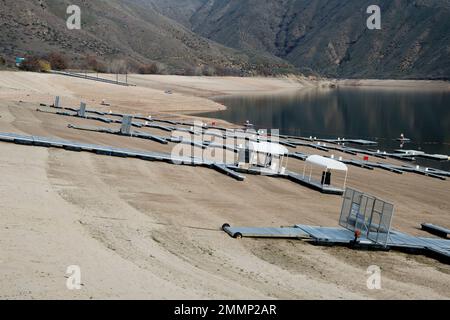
x=116 y=29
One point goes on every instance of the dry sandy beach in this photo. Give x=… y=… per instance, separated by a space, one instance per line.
x=152 y=230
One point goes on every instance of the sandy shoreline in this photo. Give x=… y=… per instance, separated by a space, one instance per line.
x=151 y=230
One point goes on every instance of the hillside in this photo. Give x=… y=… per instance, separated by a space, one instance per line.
x=117 y=29
x=326 y=37
x=331 y=37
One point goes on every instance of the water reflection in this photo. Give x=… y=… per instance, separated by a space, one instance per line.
x=375 y=114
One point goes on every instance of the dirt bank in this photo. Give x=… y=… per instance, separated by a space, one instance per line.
x=151 y=230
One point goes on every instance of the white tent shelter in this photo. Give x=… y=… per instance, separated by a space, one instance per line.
x=268 y=156
x=327 y=165
x=268 y=148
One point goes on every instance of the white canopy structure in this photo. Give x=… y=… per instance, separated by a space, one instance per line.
x=327 y=165
x=268 y=148
x=267 y=157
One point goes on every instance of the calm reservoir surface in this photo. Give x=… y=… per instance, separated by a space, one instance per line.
x=374 y=114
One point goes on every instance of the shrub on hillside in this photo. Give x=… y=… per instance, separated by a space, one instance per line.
x=95 y=65
x=44 y=66
x=133 y=66
x=2 y=61
x=58 y=61
x=208 y=71
x=267 y=70
x=119 y=66
x=151 y=68
x=227 y=71
x=162 y=68
x=35 y=64
x=193 y=71
x=31 y=63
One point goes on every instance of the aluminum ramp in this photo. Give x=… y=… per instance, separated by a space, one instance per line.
x=439 y=248
x=249 y=232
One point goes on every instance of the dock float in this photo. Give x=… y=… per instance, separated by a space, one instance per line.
x=351 y=141
x=253 y=171
x=436 y=230
x=325 y=189
x=298 y=155
x=116 y=152
x=330 y=235
x=224 y=169
x=358 y=163
x=421 y=154
x=133 y=134
x=282 y=233
x=338 y=236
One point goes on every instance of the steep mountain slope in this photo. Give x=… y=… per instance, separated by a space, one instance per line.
x=331 y=37
x=328 y=37
x=178 y=10
x=113 y=29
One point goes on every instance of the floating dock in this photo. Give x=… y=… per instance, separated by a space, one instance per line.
x=224 y=169
x=332 y=236
x=297 y=178
x=115 y=152
x=135 y=134
x=421 y=154
x=290 y=141
x=361 y=142
x=430 y=172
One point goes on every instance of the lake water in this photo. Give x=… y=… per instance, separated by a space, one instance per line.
x=374 y=114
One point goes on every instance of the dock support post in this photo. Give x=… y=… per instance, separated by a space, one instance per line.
x=82 y=111
x=56 y=104
x=126 y=125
